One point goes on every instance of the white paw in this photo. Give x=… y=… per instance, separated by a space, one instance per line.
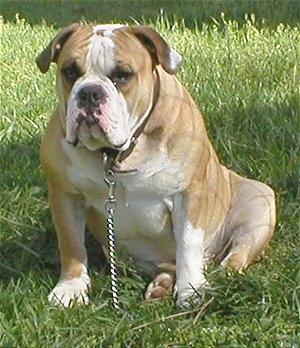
x=66 y=292
x=190 y=301
x=191 y=296
x=160 y=287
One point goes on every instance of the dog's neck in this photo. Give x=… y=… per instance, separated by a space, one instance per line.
x=116 y=156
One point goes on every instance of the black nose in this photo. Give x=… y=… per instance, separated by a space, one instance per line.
x=90 y=97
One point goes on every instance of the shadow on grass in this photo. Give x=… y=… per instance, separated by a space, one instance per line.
x=28 y=239
x=60 y=13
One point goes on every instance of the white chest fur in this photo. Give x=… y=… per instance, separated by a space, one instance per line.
x=144 y=202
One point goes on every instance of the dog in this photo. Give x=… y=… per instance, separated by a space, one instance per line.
x=178 y=208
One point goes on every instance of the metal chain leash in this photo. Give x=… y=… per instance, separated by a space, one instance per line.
x=110 y=206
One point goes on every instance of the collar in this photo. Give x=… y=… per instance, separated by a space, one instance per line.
x=115 y=157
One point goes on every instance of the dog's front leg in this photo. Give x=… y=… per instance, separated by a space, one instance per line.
x=69 y=219
x=189 y=256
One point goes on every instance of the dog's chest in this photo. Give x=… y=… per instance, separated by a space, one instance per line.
x=144 y=204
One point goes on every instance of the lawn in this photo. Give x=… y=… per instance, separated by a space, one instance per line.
x=244 y=74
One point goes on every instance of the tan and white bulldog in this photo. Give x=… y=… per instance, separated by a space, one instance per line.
x=177 y=206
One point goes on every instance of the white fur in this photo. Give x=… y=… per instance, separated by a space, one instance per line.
x=175 y=60
x=101 y=57
x=145 y=199
x=143 y=223
x=116 y=121
x=142 y=219
x=67 y=291
x=107 y=28
x=189 y=255
x=151 y=221
x=100 y=62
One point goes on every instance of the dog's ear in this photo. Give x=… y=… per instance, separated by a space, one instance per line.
x=51 y=52
x=166 y=56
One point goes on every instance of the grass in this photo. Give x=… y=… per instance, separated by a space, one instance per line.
x=245 y=77
x=60 y=12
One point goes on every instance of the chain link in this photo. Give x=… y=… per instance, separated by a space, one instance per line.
x=110 y=206
x=112 y=260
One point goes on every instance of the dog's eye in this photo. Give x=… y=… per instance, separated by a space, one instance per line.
x=120 y=77
x=71 y=72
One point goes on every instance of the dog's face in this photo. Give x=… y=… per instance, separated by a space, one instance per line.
x=106 y=79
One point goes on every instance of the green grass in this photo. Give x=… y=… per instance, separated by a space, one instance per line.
x=245 y=77
x=60 y=12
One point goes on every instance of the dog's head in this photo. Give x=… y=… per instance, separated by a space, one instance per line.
x=106 y=78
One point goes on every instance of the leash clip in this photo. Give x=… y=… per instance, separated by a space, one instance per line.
x=108 y=176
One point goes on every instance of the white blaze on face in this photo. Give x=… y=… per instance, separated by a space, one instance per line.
x=114 y=123
x=101 y=55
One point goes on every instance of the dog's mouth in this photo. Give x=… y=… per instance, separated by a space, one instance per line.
x=96 y=122
x=89 y=122
x=89 y=133
x=89 y=119
x=86 y=130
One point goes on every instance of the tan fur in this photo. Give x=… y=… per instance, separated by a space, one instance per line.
x=236 y=214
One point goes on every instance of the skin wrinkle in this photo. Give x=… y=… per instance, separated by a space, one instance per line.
x=145 y=90
x=95 y=49
x=100 y=58
x=179 y=189
x=208 y=211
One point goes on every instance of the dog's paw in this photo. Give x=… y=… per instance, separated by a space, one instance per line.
x=66 y=292
x=191 y=301
x=160 y=287
x=191 y=297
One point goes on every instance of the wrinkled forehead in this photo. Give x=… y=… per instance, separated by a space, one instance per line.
x=101 y=55
x=100 y=48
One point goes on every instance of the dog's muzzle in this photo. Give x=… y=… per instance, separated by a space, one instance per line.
x=93 y=118
x=90 y=97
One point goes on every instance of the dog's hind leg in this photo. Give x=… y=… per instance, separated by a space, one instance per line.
x=250 y=223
